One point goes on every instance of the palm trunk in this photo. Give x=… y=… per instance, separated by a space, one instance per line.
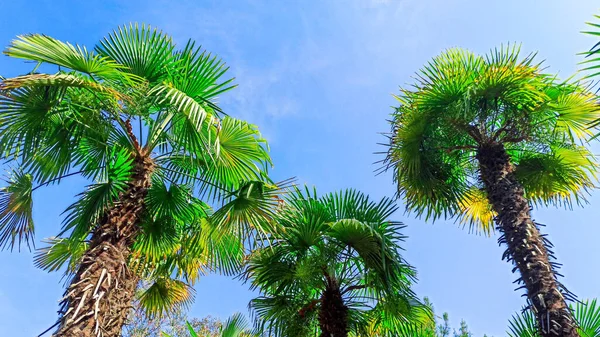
x=525 y=244
x=333 y=314
x=100 y=295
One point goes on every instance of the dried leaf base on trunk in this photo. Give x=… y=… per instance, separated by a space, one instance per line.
x=525 y=244
x=99 y=298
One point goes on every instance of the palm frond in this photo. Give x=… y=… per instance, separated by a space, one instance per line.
x=174 y=201
x=476 y=211
x=280 y=316
x=190 y=119
x=60 y=80
x=60 y=252
x=587 y=315
x=523 y=325
x=236 y=326
x=143 y=51
x=16 y=204
x=42 y=48
x=562 y=175
x=25 y=116
x=84 y=214
x=197 y=73
x=159 y=238
x=576 y=111
x=250 y=209
x=163 y=295
x=592 y=62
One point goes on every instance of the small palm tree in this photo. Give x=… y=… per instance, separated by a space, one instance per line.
x=235 y=326
x=138 y=118
x=481 y=137
x=332 y=269
x=586 y=314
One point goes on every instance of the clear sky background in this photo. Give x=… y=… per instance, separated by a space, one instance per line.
x=317 y=78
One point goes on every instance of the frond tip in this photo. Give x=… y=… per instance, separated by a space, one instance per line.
x=16 y=203
x=476 y=211
x=60 y=251
x=164 y=295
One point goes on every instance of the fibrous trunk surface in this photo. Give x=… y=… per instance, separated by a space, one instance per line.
x=526 y=246
x=100 y=295
x=333 y=314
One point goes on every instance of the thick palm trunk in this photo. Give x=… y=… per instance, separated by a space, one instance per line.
x=525 y=243
x=99 y=298
x=333 y=314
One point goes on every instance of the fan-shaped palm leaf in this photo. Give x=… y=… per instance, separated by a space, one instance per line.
x=16 y=204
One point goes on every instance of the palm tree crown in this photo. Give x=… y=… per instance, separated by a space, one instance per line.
x=138 y=117
x=462 y=100
x=334 y=266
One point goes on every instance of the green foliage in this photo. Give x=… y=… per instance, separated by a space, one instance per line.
x=16 y=204
x=60 y=251
x=235 y=326
x=586 y=314
x=462 y=101
x=344 y=236
x=134 y=97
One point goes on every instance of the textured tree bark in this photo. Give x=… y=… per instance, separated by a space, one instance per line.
x=525 y=243
x=333 y=314
x=100 y=295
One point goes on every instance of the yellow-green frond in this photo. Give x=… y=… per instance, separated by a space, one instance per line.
x=576 y=112
x=165 y=294
x=476 y=212
x=560 y=176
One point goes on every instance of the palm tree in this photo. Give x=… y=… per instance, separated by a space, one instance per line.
x=480 y=137
x=333 y=269
x=146 y=214
x=235 y=326
x=586 y=314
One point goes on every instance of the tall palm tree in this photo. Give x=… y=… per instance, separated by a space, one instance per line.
x=333 y=269
x=479 y=138
x=138 y=117
x=586 y=314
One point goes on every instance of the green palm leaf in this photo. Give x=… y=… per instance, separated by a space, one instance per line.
x=42 y=48
x=592 y=64
x=16 y=204
x=165 y=294
x=60 y=80
x=144 y=51
x=60 y=251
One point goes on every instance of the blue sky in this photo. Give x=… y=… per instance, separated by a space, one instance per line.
x=317 y=78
